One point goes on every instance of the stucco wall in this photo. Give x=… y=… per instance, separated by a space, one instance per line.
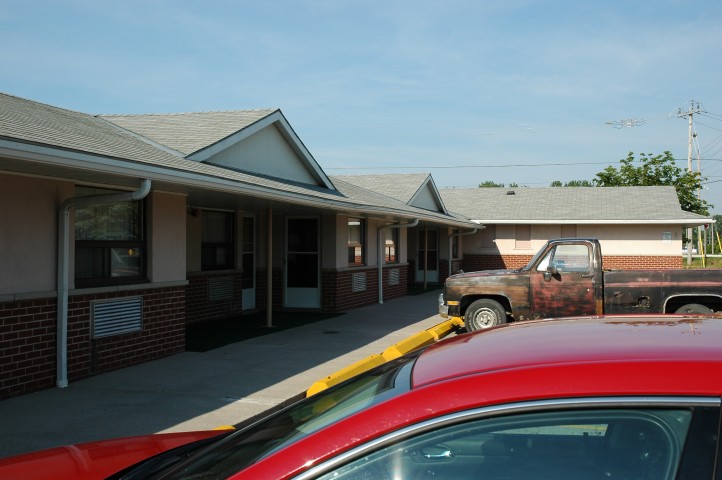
x=167 y=237
x=647 y=240
x=28 y=232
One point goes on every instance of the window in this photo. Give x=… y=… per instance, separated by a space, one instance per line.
x=109 y=241
x=217 y=240
x=391 y=245
x=523 y=237
x=567 y=258
x=455 y=239
x=572 y=444
x=356 y=235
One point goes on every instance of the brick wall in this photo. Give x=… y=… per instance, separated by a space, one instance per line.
x=27 y=346
x=28 y=338
x=641 y=263
x=473 y=263
x=337 y=287
x=200 y=307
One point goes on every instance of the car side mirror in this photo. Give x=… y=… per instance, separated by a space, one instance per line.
x=552 y=271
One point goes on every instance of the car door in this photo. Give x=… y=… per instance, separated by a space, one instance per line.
x=568 y=288
x=605 y=438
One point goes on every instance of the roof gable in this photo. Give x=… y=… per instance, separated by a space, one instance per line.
x=649 y=204
x=254 y=141
x=414 y=189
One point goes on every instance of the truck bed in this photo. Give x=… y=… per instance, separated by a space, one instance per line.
x=647 y=291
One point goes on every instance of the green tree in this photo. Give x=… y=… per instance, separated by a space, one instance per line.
x=656 y=170
x=490 y=184
x=572 y=183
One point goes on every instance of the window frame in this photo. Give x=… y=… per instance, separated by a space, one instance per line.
x=228 y=244
x=455 y=244
x=360 y=244
x=395 y=234
x=105 y=248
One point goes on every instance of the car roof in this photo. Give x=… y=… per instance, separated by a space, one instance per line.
x=578 y=340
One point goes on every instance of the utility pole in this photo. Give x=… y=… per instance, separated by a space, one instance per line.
x=694 y=107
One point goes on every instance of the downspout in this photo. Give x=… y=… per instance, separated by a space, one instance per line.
x=381 y=257
x=460 y=234
x=63 y=253
x=269 y=268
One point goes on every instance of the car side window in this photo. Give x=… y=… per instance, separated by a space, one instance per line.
x=580 y=445
x=567 y=258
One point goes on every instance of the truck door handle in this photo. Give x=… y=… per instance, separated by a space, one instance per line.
x=588 y=275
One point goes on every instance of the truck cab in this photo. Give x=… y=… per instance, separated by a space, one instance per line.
x=563 y=279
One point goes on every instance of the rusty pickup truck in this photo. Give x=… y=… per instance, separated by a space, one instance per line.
x=565 y=278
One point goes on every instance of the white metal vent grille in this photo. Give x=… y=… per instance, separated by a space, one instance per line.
x=114 y=317
x=220 y=288
x=394 y=276
x=358 y=282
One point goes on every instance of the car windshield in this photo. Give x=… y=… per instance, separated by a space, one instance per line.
x=534 y=259
x=262 y=438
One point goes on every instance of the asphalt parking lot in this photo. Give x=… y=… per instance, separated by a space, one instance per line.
x=202 y=390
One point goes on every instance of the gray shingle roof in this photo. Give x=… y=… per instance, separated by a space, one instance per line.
x=189 y=132
x=34 y=123
x=567 y=204
x=42 y=124
x=401 y=186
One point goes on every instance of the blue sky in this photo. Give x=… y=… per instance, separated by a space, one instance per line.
x=510 y=91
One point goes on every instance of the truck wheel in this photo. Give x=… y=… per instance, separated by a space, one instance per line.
x=693 y=308
x=484 y=313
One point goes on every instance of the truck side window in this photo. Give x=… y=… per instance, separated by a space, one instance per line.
x=567 y=258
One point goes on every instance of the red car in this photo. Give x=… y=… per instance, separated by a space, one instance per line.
x=585 y=398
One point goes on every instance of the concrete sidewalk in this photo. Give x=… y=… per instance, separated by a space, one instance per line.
x=197 y=391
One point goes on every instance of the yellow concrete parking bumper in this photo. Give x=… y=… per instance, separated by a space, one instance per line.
x=415 y=341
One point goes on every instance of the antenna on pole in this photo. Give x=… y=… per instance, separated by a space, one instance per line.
x=628 y=123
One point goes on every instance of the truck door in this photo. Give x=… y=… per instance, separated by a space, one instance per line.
x=562 y=283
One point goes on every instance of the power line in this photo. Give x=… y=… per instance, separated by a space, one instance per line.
x=506 y=165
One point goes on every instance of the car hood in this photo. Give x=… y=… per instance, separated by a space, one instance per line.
x=94 y=460
x=483 y=273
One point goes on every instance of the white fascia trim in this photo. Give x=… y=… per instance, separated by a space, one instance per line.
x=286 y=130
x=125 y=168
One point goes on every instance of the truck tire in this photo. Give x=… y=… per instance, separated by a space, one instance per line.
x=694 y=308
x=484 y=313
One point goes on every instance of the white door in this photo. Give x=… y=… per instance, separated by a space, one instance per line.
x=302 y=265
x=248 y=262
